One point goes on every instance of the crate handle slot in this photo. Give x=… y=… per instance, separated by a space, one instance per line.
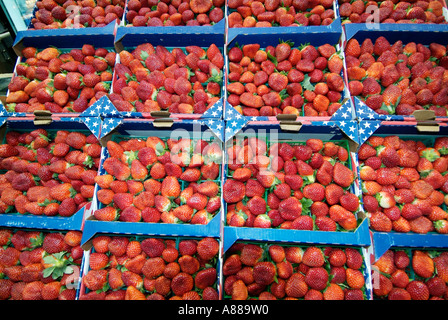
x=163 y=123
x=291 y=125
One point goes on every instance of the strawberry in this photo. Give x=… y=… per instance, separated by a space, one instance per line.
x=106 y=214
x=441 y=226
x=317 y=278
x=296 y=286
x=422 y=264
x=170 y=187
x=182 y=283
x=207 y=248
x=313 y=257
x=239 y=290
x=418 y=290
x=264 y=272
x=290 y=208
x=251 y=254
x=333 y=292
x=342 y=175
x=208 y=188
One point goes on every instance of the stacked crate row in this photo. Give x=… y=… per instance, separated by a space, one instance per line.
x=253 y=179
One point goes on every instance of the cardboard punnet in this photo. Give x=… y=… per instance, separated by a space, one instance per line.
x=395 y=32
x=335 y=26
x=266 y=38
x=89 y=249
x=74 y=268
x=73 y=14
x=65 y=41
x=377 y=270
x=74 y=222
x=382 y=241
x=130 y=38
x=218 y=27
x=236 y=248
x=295 y=132
x=141 y=128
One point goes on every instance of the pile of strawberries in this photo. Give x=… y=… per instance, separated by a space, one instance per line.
x=56 y=14
x=124 y=268
x=181 y=80
x=48 y=172
x=37 y=265
x=60 y=81
x=398 y=78
x=274 y=13
x=156 y=13
x=303 y=186
x=404 y=184
x=152 y=180
x=289 y=272
x=283 y=79
x=428 y=279
x=423 y=11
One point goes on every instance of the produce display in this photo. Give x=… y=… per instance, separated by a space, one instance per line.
x=305 y=185
x=293 y=272
x=252 y=150
x=423 y=11
x=48 y=173
x=276 y=13
x=39 y=265
x=403 y=184
x=157 y=13
x=179 y=80
x=122 y=268
x=57 y=14
x=285 y=79
x=60 y=80
x=153 y=180
x=411 y=275
x=398 y=78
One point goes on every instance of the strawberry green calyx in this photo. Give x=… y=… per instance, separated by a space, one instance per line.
x=441 y=226
x=130 y=156
x=430 y=154
x=58 y=264
x=306 y=205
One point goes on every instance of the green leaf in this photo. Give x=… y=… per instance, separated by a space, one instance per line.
x=272 y=58
x=160 y=149
x=306 y=83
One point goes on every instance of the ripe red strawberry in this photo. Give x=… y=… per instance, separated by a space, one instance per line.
x=239 y=290
x=296 y=286
x=207 y=248
x=317 y=278
x=264 y=272
x=333 y=292
x=232 y=265
x=208 y=188
x=106 y=214
x=290 y=208
x=251 y=254
x=422 y=264
x=342 y=175
x=153 y=247
x=418 y=290
x=421 y=225
x=95 y=279
x=182 y=283
x=324 y=223
x=313 y=257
